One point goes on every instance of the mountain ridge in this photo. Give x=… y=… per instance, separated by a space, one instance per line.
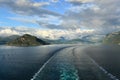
x=112 y=38
x=26 y=40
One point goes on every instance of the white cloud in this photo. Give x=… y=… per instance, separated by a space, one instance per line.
x=28 y=3
x=83 y=7
x=103 y=16
x=81 y=1
x=8 y=32
x=24 y=20
x=54 y=1
x=45 y=33
x=27 y=7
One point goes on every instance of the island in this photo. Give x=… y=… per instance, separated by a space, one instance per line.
x=27 y=40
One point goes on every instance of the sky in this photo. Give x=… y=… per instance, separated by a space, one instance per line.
x=59 y=18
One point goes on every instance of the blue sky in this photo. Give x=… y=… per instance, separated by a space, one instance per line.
x=59 y=7
x=77 y=16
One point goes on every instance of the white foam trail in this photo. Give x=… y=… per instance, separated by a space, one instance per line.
x=36 y=74
x=43 y=66
x=111 y=76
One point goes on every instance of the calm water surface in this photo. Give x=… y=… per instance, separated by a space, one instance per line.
x=21 y=63
x=63 y=62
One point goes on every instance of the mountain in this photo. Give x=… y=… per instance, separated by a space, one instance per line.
x=112 y=38
x=65 y=41
x=4 y=40
x=94 y=38
x=88 y=39
x=27 y=40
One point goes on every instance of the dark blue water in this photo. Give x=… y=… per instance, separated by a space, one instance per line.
x=107 y=56
x=60 y=62
x=21 y=63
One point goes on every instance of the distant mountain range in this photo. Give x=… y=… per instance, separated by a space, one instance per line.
x=89 y=39
x=112 y=38
x=94 y=38
x=26 y=40
x=4 y=40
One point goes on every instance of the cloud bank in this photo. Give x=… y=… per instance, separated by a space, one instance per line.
x=102 y=16
x=49 y=34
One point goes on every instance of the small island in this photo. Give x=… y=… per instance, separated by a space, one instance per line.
x=27 y=40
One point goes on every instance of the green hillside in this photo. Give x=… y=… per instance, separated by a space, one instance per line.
x=27 y=40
